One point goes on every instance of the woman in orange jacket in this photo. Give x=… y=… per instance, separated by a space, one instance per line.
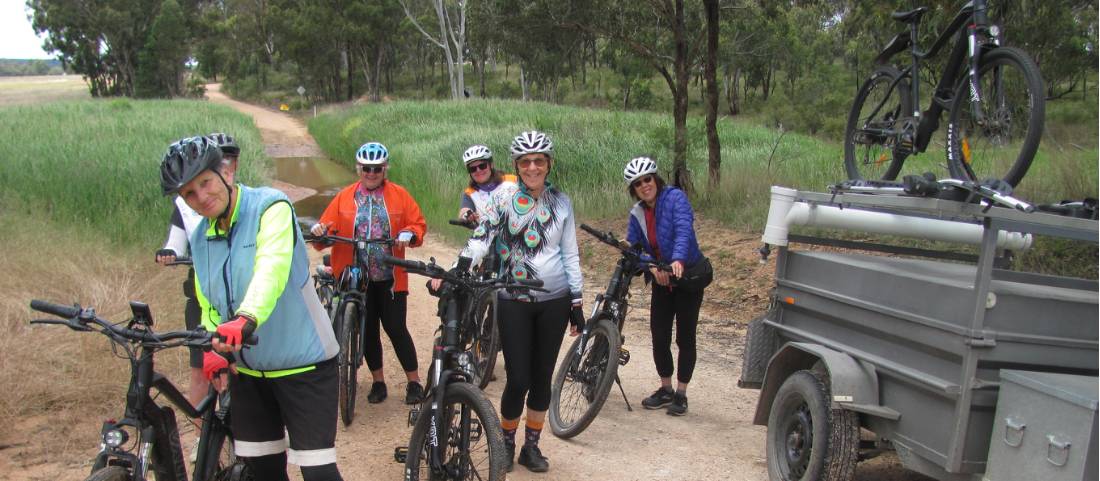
x=374 y=208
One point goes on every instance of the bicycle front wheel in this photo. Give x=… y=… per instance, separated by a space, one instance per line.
x=350 y=355
x=486 y=341
x=997 y=135
x=583 y=381
x=472 y=444
x=219 y=462
x=109 y=473
x=877 y=136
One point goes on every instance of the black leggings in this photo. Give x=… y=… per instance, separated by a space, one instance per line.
x=530 y=334
x=663 y=307
x=388 y=309
x=192 y=317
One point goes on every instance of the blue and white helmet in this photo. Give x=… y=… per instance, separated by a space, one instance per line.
x=638 y=167
x=532 y=142
x=372 y=153
x=475 y=153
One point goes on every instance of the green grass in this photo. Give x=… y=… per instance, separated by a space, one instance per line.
x=96 y=163
x=426 y=140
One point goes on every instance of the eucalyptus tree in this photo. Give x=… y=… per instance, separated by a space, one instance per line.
x=451 y=36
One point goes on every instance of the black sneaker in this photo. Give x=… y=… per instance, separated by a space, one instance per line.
x=659 y=399
x=510 y=451
x=679 y=406
x=413 y=392
x=532 y=457
x=377 y=392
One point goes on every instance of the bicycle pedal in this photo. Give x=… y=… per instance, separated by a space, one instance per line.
x=624 y=356
x=400 y=454
x=475 y=431
x=414 y=413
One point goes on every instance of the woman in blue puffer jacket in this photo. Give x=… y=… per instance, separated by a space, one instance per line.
x=663 y=222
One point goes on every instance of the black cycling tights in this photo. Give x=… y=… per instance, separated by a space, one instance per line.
x=530 y=335
x=664 y=306
x=387 y=308
x=273 y=467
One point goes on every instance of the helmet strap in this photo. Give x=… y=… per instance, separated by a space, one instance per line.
x=229 y=202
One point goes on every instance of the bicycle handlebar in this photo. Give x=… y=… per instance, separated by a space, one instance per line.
x=326 y=237
x=435 y=271
x=77 y=318
x=610 y=239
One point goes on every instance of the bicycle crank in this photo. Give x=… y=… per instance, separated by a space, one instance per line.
x=624 y=356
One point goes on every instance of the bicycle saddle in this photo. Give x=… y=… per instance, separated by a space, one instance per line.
x=912 y=16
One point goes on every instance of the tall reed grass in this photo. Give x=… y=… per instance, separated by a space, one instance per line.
x=96 y=163
x=426 y=140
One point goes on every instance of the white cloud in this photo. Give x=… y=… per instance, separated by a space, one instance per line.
x=17 y=38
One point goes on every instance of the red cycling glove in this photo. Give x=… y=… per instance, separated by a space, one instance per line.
x=236 y=331
x=212 y=364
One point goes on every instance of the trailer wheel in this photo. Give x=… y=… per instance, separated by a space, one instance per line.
x=807 y=440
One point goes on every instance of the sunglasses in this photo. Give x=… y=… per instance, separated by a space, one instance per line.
x=644 y=180
x=372 y=169
x=538 y=161
x=476 y=167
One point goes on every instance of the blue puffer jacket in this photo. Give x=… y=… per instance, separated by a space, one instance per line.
x=675 y=228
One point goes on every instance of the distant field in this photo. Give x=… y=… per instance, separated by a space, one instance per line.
x=39 y=89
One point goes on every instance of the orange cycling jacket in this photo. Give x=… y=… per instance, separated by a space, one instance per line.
x=404 y=214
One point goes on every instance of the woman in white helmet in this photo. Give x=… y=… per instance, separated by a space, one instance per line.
x=663 y=222
x=484 y=179
x=531 y=226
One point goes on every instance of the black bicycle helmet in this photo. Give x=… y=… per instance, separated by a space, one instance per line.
x=227 y=143
x=185 y=160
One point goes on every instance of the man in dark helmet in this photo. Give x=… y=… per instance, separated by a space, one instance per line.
x=181 y=225
x=252 y=276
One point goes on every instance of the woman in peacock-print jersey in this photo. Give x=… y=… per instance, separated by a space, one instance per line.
x=531 y=227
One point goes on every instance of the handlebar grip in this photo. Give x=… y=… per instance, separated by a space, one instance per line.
x=58 y=310
x=530 y=282
x=181 y=261
x=590 y=230
x=462 y=223
x=252 y=340
x=394 y=261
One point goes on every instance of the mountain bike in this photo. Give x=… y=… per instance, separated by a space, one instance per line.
x=325 y=285
x=485 y=337
x=993 y=94
x=146 y=440
x=583 y=379
x=349 y=317
x=456 y=432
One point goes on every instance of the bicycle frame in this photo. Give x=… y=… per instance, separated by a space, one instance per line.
x=978 y=36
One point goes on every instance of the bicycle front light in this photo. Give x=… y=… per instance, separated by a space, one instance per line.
x=115 y=437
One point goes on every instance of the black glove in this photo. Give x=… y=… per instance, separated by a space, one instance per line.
x=576 y=317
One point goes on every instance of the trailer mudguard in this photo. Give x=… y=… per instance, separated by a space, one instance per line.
x=853 y=384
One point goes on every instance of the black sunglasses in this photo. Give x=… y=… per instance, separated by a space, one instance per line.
x=372 y=169
x=476 y=167
x=644 y=180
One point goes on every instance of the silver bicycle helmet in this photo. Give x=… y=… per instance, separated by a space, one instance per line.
x=227 y=143
x=475 y=153
x=532 y=142
x=638 y=167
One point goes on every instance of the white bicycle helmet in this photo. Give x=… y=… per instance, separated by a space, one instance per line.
x=475 y=153
x=532 y=142
x=638 y=167
x=372 y=153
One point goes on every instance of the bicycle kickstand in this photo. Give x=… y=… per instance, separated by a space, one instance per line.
x=621 y=390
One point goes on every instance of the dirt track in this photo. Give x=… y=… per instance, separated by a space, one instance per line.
x=716 y=440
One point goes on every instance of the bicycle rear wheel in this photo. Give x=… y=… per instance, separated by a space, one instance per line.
x=877 y=127
x=472 y=442
x=109 y=473
x=582 y=382
x=486 y=340
x=1000 y=142
x=350 y=356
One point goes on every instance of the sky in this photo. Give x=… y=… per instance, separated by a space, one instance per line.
x=17 y=38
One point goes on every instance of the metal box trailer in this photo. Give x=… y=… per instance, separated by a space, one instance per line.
x=912 y=348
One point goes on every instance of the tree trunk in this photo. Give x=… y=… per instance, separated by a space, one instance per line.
x=681 y=177
x=523 y=84
x=710 y=71
x=351 y=70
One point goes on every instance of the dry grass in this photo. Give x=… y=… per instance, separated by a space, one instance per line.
x=56 y=385
x=40 y=89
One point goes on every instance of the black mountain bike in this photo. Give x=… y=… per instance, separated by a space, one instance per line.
x=994 y=96
x=349 y=318
x=146 y=441
x=456 y=432
x=583 y=379
x=485 y=336
x=325 y=285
